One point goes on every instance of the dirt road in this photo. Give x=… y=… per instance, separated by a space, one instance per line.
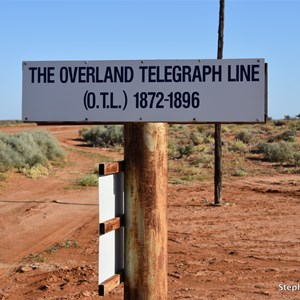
x=246 y=249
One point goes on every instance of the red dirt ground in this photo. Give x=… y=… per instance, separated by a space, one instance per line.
x=242 y=250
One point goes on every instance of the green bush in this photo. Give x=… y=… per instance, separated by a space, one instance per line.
x=107 y=136
x=238 y=146
x=68 y=244
x=88 y=180
x=6 y=153
x=196 y=138
x=37 y=171
x=279 y=123
x=28 y=149
x=179 y=151
x=287 y=136
x=47 y=144
x=296 y=159
x=172 y=148
x=204 y=160
x=239 y=172
x=245 y=136
x=295 y=125
x=277 y=152
x=185 y=150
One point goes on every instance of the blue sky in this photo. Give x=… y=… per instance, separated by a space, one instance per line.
x=121 y=30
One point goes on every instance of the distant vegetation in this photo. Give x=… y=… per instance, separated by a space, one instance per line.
x=107 y=136
x=9 y=123
x=247 y=149
x=88 y=180
x=282 y=152
x=30 y=152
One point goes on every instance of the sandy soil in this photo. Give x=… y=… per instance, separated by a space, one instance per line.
x=241 y=250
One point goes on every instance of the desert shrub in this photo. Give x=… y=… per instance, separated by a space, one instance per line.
x=239 y=172
x=172 y=148
x=178 y=151
x=88 y=180
x=295 y=125
x=266 y=129
x=238 y=146
x=37 y=171
x=279 y=122
x=33 y=258
x=296 y=159
x=185 y=150
x=68 y=244
x=6 y=161
x=209 y=137
x=204 y=160
x=103 y=136
x=28 y=153
x=245 y=136
x=276 y=152
x=287 y=136
x=47 y=144
x=201 y=128
x=196 y=138
x=28 y=149
x=11 y=123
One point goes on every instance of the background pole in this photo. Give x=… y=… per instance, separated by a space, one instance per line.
x=218 y=129
x=145 y=211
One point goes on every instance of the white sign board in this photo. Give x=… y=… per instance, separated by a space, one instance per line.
x=111 y=244
x=211 y=90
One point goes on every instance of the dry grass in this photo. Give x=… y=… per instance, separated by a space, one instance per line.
x=242 y=149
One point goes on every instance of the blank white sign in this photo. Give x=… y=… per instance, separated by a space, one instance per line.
x=111 y=244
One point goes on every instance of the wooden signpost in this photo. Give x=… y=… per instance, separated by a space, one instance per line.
x=145 y=96
x=146 y=211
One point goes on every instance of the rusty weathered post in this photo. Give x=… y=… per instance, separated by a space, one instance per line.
x=145 y=211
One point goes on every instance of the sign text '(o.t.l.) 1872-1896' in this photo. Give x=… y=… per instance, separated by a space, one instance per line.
x=190 y=91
